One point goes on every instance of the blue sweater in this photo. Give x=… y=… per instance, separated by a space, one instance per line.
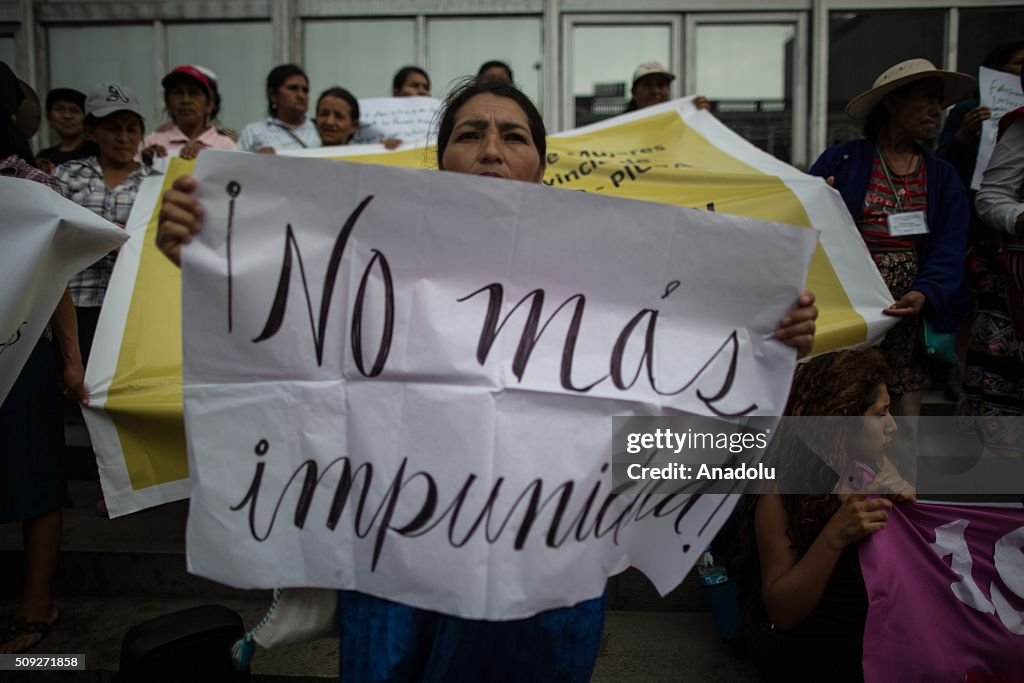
x=940 y=275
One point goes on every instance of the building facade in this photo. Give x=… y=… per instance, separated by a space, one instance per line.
x=778 y=71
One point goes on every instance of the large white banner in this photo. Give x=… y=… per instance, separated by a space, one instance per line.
x=1001 y=93
x=46 y=240
x=402 y=382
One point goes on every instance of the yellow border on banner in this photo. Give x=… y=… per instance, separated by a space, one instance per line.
x=690 y=171
x=657 y=158
x=145 y=397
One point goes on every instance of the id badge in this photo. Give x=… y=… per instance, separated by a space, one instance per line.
x=907 y=223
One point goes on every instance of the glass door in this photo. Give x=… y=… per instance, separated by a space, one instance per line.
x=753 y=67
x=600 y=53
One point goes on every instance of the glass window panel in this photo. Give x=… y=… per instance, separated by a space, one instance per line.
x=239 y=53
x=8 y=51
x=81 y=57
x=981 y=30
x=457 y=47
x=744 y=61
x=603 y=61
x=361 y=56
x=746 y=70
x=864 y=44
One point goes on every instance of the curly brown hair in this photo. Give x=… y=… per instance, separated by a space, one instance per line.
x=833 y=386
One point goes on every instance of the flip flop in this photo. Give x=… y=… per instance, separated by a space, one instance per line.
x=27 y=628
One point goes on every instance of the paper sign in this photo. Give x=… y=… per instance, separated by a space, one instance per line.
x=404 y=118
x=402 y=382
x=1001 y=93
x=46 y=240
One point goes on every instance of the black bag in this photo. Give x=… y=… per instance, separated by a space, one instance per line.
x=191 y=645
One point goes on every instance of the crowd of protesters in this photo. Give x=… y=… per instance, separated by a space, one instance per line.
x=952 y=259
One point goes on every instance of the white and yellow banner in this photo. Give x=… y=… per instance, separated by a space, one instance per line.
x=672 y=154
x=46 y=240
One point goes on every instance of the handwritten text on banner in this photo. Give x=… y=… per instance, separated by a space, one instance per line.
x=401 y=382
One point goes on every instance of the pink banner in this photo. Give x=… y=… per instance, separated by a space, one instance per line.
x=945 y=595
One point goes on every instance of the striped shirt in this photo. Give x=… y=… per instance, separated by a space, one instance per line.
x=277 y=134
x=911 y=194
x=82 y=182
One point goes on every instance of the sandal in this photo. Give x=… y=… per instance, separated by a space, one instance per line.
x=22 y=628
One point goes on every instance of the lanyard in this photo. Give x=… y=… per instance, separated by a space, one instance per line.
x=888 y=179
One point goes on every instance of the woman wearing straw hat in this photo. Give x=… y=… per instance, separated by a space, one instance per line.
x=910 y=207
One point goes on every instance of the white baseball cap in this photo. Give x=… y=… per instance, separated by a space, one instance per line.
x=649 y=68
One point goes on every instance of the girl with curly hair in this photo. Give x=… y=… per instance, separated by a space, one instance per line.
x=809 y=616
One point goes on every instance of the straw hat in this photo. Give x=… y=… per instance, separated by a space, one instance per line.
x=956 y=86
x=29 y=114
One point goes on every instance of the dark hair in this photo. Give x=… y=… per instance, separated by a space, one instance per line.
x=834 y=385
x=212 y=97
x=839 y=385
x=403 y=74
x=276 y=78
x=1001 y=53
x=64 y=95
x=90 y=148
x=495 y=64
x=341 y=94
x=472 y=87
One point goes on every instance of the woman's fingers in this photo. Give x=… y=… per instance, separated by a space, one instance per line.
x=185 y=183
x=169 y=239
x=797 y=328
x=180 y=216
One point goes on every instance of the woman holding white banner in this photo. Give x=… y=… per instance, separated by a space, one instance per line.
x=190 y=97
x=808 y=602
x=961 y=133
x=106 y=182
x=287 y=127
x=910 y=208
x=31 y=416
x=488 y=128
x=337 y=116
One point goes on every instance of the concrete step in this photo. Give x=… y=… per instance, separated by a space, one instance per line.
x=143 y=555
x=637 y=646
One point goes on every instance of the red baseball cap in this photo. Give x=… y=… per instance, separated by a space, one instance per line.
x=188 y=71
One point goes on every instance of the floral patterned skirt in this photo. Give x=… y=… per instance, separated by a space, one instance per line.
x=903 y=353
